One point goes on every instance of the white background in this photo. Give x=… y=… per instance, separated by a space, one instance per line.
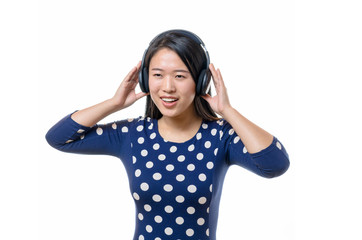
x=291 y=67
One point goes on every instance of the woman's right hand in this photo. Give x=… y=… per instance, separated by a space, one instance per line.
x=124 y=97
x=126 y=94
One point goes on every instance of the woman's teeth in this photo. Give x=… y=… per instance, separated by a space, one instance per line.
x=169 y=99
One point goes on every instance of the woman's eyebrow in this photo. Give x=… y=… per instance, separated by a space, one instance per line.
x=177 y=70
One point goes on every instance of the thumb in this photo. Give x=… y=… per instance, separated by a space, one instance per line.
x=141 y=95
x=207 y=97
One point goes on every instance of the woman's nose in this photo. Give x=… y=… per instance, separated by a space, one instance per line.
x=168 y=84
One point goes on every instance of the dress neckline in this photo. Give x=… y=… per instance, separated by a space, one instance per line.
x=155 y=123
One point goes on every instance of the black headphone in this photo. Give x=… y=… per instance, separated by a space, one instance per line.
x=203 y=83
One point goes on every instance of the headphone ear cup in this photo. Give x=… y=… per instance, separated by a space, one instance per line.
x=143 y=80
x=204 y=82
x=200 y=82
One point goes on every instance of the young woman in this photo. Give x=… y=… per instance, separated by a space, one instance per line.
x=177 y=155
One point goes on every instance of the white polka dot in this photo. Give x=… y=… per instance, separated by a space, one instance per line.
x=179 y=220
x=236 y=139
x=190 y=232
x=140 y=128
x=200 y=221
x=144 y=152
x=204 y=126
x=180 y=199
x=202 y=200
x=245 y=150
x=181 y=158
x=151 y=126
x=180 y=177
x=210 y=188
x=169 y=209
x=170 y=167
x=153 y=135
x=207 y=144
x=231 y=131
x=147 y=207
x=144 y=186
x=141 y=237
x=157 y=176
x=207 y=232
x=134 y=159
x=69 y=141
x=279 y=145
x=156 y=146
x=137 y=173
x=198 y=136
x=125 y=129
x=200 y=156
x=215 y=151
x=191 y=188
x=82 y=137
x=191 y=167
x=158 y=219
x=208 y=210
x=149 y=228
x=157 y=238
x=156 y=198
x=99 y=131
x=221 y=134
x=202 y=177
x=191 y=148
x=173 y=149
x=114 y=126
x=141 y=140
x=210 y=165
x=81 y=130
x=168 y=231
x=167 y=187
x=190 y=210
x=140 y=216
x=136 y=196
x=213 y=132
x=149 y=164
x=161 y=157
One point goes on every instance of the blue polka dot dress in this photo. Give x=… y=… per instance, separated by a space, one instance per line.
x=176 y=187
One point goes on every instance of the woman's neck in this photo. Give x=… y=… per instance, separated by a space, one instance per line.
x=179 y=129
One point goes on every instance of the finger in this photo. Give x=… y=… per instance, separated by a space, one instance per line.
x=139 y=65
x=221 y=80
x=214 y=74
x=130 y=75
x=207 y=97
x=141 y=95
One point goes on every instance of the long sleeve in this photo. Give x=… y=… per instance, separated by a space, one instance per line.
x=270 y=162
x=109 y=139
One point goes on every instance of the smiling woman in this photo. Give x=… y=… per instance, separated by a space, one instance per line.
x=177 y=155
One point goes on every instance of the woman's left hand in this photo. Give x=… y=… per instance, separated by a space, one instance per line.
x=220 y=102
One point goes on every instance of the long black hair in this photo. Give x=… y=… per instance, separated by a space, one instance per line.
x=193 y=56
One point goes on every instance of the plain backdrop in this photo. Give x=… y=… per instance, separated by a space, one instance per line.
x=291 y=67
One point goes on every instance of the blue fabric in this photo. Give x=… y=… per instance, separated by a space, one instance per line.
x=176 y=186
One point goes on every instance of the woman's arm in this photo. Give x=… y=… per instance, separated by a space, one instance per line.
x=123 y=98
x=258 y=150
x=254 y=137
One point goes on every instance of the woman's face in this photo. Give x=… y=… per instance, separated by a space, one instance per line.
x=172 y=87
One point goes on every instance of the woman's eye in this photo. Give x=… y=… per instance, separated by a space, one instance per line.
x=180 y=76
x=157 y=75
